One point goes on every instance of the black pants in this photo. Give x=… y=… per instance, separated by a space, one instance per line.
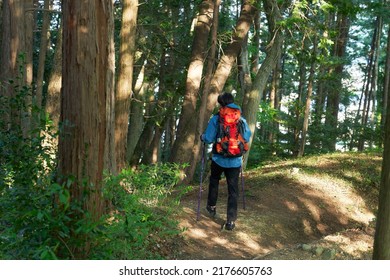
x=231 y=175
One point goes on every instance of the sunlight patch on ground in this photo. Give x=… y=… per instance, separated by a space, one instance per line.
x=292 y=206
x=220 y=241
x=339 y=193
x=249 y=242
x=352 y=243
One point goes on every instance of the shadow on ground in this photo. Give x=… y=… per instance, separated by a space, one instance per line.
x=287 y=208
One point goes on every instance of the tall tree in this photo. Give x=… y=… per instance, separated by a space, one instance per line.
x=273 y=53
x=335 y=86
x=42 y=59
x=227 y=60
x=53 y=98
x=210 y=67
x=87 y=100
x=186 y=128
x=369 y=88
x=386 y=86
x=16 y=51
x=308 y=99
x=382 y=233
x=125 y=78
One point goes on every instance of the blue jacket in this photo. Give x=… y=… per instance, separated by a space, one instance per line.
x=210 y=136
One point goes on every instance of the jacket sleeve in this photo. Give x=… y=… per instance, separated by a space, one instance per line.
x=210 y=134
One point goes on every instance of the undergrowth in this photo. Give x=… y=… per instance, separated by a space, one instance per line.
x=39 y=219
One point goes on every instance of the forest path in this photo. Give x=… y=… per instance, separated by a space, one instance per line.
x=292 y=212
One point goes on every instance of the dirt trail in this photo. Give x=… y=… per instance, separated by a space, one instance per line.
x=289 y=215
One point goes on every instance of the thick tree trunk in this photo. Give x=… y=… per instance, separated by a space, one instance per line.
x=87 y=99
x=228 y=58
x=182 y=149
x=125 y=79
x=206 y=88
x=16 y=43
x=274 y=50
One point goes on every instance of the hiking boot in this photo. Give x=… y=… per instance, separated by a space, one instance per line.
x=212 y=210
x=230 y=226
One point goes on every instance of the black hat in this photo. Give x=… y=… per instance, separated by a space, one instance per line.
x=225 y=98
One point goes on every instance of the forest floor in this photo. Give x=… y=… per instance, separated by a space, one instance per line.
x=319 y=207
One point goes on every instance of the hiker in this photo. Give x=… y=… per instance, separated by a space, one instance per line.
x=226 y=154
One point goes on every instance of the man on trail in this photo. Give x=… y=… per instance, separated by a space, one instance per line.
x=229 y=133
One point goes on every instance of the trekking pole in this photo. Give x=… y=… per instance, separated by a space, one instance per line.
x=201 y=181
x=243 y=188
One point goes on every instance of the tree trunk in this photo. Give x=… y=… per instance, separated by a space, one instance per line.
x=7 y=61
x=333 y=101
x=206 y=88
x=382 y=232
x=125 y=79
x=142 y=88
x=298 y=118
x=254 y=60
x=274 y=105
x=41 y=60
x=228 y=58
x=386 y=86
x=54 y=88
x=27 y=25
x=273 y=50
x=16 y=43
x=308 y=100
x=244 y=72
x=182 y=149
x=87 y=100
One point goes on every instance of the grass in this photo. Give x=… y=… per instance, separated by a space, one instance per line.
x=360 y=171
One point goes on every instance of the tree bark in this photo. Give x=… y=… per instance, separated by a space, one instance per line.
x=386 y=86
x=273 y=50
x=228 y=59
x=16 y=43
x=125 y=79
x=333 y=100
x=182 y=149
x=42 y=58
x=382 y=232
x=141 y=89
x=87 y=99
x=308 y=101
x=206 y=88
x=54 y=87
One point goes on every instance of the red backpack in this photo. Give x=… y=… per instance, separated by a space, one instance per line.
x=230 y=142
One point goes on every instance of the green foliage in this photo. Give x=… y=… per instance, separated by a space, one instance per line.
x=39 y=219
x=140 y=221
x=29 y=220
